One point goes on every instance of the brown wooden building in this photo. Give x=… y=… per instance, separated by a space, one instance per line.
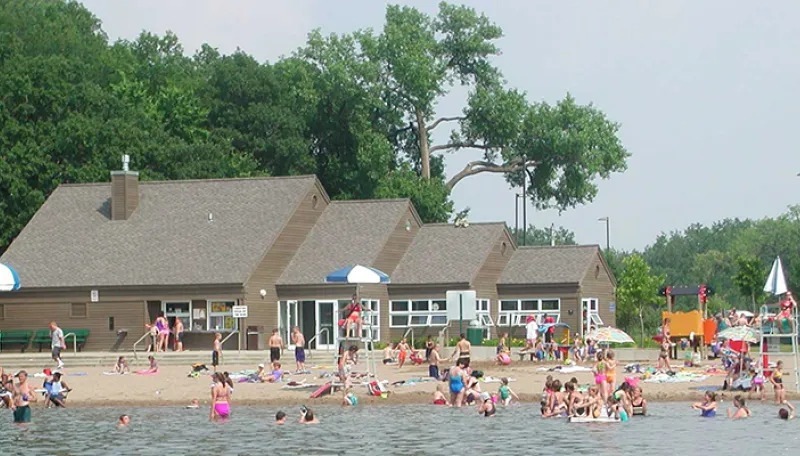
x=109 y=257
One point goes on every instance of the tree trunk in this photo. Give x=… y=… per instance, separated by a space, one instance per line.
x=753 y=297
x=641 y=321
x=424 y=147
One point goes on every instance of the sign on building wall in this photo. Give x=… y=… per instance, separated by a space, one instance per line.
x=94 y=296
x=239 y=311
x=612 y=306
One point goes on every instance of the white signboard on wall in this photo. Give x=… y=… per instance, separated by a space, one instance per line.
x=94 y=296
x=239 y=311
x=461 y=304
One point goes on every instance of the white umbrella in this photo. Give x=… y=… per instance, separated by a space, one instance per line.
x=776 y=282
x=9 y=279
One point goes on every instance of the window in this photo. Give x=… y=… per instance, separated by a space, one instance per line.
x=220 y=316
x=483 y=312
x=371 y=319
x=419 y=312
x=77 y=310
x=213 y=316
x=2 y=311
x=590 y=317
x=178 y=310
x=514 y=312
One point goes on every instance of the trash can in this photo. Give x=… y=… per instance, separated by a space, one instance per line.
x=475 y=335
x=254 y=339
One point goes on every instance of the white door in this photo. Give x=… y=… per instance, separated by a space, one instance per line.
x=292 y=320
x=327 y=324
x=590 y=315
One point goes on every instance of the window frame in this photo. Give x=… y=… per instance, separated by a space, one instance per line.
x=187 y=316
x=85 y=310
x=424 y=318
x=371 y=318
x=210 y=315
x=518 y=316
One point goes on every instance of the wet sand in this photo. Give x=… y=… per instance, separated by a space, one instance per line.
x=172 y=386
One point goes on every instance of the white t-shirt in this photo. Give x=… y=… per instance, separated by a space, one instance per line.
x=532 y=330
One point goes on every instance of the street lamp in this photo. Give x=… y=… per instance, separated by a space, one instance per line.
x=608 y=237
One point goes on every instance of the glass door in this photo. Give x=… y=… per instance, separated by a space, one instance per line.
x=327 y=316
x=289 y=319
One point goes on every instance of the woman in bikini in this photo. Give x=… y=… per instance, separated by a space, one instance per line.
x=162 y=325
x=739 y=409
x=220 y=398
x=638 y=402
x=777 y=383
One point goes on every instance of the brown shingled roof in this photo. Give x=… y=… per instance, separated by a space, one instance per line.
x=168 y=240
x=348 y=232
x=549 y=265
x=442 y=253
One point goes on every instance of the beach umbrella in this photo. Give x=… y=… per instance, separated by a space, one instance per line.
x=357 y=274
x=610 y=335
x=740 y=333
x=9 y=279
x=776 y=282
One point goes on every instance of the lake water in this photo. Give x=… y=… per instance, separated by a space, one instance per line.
x=672 y=429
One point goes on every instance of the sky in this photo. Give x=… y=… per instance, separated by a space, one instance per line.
x=702 y=90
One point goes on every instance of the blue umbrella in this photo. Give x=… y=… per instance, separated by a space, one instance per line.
x=357 y=274
x=9 y=279
x=546 y=326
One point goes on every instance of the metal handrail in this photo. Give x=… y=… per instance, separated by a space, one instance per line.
x=405 y=334
x=74 y=341
x=147 y=334
x=316 y=336
x=443 y=334
x=231 y=334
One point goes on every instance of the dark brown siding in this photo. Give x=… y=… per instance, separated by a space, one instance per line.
x=598 y=284
x=127 y=316
x=33 y=310
x=398 y=242
x=485 y=282
x=124 y=194
x=264 y=310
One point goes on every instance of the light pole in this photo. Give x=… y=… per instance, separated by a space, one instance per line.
x=517 y=196
x=608 y=231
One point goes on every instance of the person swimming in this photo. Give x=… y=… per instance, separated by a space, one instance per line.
x=123 y=421
x=487 y=407
x=708 y=408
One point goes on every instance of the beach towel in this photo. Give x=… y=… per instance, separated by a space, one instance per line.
x=680 y=377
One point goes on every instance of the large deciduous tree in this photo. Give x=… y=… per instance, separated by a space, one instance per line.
x=749 y=278
x=637 y=291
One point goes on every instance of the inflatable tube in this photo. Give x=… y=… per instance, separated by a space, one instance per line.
x=587 y=419
x=326 y=388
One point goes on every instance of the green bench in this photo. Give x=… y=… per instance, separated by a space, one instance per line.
x=42 y=338
x=16 y=336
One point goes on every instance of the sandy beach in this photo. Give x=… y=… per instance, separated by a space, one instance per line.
x=173 y=386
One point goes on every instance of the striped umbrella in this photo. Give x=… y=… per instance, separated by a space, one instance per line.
x=9 y=279
x=357 y=274
x=609 y=335
x=740 y=333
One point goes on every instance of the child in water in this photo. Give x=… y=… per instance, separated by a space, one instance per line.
x=708 y=408
x=505 y=392
x=438 y=396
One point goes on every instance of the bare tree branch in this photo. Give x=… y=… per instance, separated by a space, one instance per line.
x=460 y=145
x=481 y=166
x=444 y=119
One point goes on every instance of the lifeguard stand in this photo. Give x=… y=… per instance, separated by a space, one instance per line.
x=364 y=341
x=772 y=332
x=695 y=322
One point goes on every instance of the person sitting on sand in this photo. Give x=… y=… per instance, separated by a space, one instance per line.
x=503 y=358
x=307 y=416
x=739 y=409
x=280 y=418
x=123 y=421
x=153 y=369
x=505 y=392
x=708 y=408
x=121 y=367
x=276 y=375
x=438 y=396
x=639 y=403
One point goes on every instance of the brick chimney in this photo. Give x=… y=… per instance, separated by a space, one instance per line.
x=124 y=191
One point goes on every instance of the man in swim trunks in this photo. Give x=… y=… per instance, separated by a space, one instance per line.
x=462 y=350
x=216 y=354
x=57 y=343
x=23 y=396
x=275 y=345
x=299 y=341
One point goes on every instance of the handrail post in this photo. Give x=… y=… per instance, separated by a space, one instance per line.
x=74 y=342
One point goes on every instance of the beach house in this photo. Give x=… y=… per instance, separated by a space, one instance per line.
x=107 y=258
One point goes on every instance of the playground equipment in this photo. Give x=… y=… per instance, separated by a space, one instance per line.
x=695 y=324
